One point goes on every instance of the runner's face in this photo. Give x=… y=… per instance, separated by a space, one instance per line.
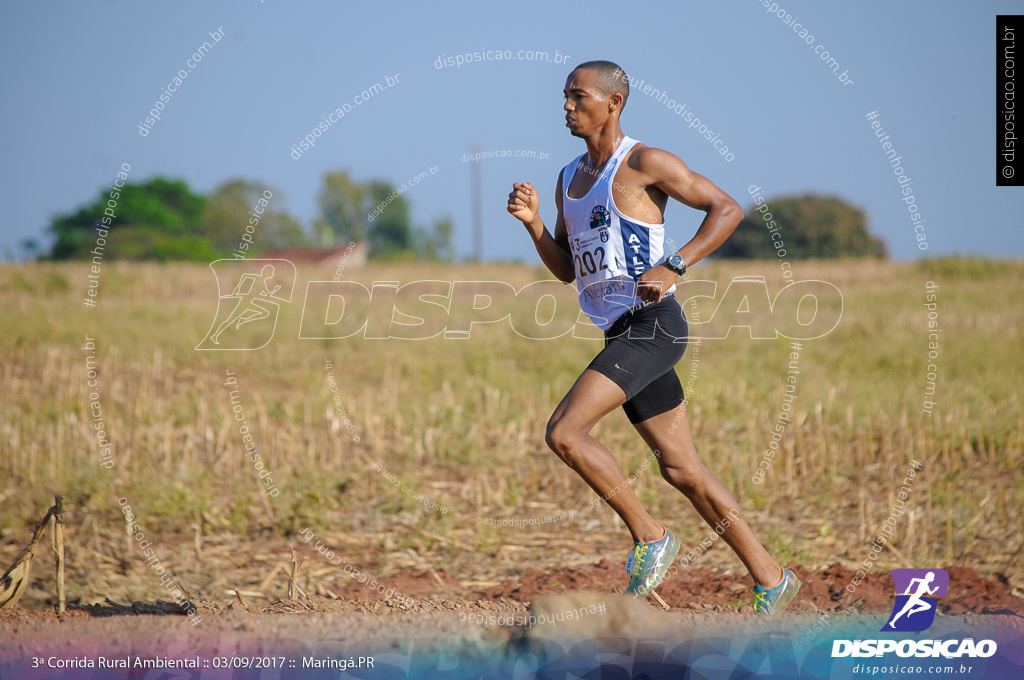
x=586 y=107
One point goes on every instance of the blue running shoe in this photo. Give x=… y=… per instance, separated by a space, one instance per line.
x=648 y=562
x=774 y=600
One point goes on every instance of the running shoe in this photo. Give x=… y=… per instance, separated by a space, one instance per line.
x=648 y=562
x=774 y=600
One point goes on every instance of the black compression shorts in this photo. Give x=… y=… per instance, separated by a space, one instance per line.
x=641 y=350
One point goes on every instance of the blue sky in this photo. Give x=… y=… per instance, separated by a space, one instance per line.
x=80 y=77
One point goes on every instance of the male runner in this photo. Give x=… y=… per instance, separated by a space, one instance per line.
x=609 y=237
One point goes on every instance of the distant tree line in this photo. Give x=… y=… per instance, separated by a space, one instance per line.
x=163 y=219
x=808 y=226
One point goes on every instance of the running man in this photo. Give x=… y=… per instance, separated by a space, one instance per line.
x=609 y=237
x=915 y=603
x=249 y=307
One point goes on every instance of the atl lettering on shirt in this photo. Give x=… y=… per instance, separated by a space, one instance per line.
x=609 y=250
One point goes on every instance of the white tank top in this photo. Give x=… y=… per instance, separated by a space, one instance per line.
x=609 y=250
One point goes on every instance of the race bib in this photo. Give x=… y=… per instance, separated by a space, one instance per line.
x=593 y=257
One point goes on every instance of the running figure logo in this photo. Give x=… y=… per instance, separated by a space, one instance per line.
x=262 y=285
x=917 y=593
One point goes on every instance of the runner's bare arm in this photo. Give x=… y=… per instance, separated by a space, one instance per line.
x=669 y=173
x=524 y=205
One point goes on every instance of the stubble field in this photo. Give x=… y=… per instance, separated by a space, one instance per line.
x=440 y=488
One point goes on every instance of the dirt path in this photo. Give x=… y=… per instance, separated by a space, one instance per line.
x=436 y=597
x=464 y=627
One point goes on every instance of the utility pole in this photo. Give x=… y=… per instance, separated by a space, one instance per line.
x=477 y=206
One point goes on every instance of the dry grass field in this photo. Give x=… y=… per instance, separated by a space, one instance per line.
x=460 y=423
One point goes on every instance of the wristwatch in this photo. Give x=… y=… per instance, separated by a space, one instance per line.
x=676 y=263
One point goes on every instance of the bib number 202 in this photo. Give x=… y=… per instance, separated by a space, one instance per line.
x=590 y=262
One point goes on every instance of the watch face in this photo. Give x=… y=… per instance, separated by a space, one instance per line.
x=676 y=263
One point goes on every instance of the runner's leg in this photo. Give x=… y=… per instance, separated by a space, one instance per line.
x=669 y=433
x=568 y=434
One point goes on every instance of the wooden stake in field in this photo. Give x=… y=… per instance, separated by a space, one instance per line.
x=660 y=601
x=293 y=578
x=15 y=580
x=57 y=513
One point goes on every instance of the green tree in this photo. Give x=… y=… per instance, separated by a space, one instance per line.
x=343 y=207
x=436 y=244
x=158 y=219
x=810 y=226
x=391 y=233
x=378 y=211
x=233 y=206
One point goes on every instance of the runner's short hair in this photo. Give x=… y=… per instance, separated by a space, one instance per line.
x=610 y=77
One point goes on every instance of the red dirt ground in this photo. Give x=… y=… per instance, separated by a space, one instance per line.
x=689 y=589
x=702 y=588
